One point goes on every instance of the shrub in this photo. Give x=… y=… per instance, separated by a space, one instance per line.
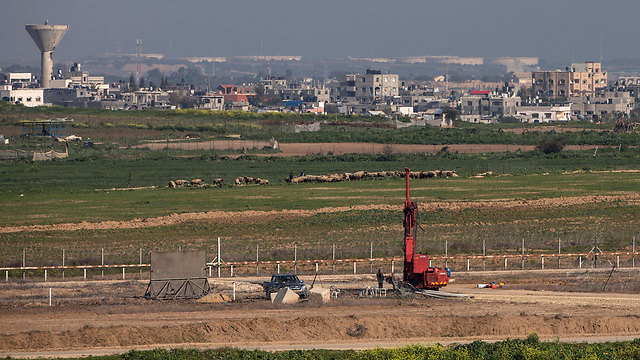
x=551 y=145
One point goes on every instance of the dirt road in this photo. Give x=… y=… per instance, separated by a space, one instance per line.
x=119 y=322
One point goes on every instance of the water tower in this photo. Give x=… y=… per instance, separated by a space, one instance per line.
x=47 y=37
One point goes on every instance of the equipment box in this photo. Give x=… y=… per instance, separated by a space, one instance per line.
x=420 y=263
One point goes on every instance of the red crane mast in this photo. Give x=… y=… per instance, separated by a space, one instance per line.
x=417 y=271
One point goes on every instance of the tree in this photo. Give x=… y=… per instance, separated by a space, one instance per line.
x=451 y=113
x=142 y=84
x=132 y=83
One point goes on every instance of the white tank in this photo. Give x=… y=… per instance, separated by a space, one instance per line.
x=47 y=37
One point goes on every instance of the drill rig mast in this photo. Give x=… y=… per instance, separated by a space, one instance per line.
x=417 y=271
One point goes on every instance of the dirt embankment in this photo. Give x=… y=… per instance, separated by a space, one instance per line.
x=126 y=322
x=253 y=216
x=323 y=329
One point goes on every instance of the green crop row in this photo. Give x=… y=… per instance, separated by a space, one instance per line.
x=530 y=348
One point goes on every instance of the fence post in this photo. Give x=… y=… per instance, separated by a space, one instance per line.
x=316 y=268
x=354 y=268
x=141 y=264
x=392 y=266
x=542 y=262
x=522 y=253
x=633 y=257
x=579 y=261
x=24 y=260
x=257 y=258
x=45 y=275
x=231 y=270
x=6 y=276
x=85 y=273
x=371 y=258
x=446 y=253
x=49 y=296
x=63 y=256
x=467 y=264
x=558 y=253
x=123 y=272
x=102 y=262
x=618 y=261
x=333 y=257
x=234 y=291
x=278 y=267
x=484 y=254
x=505 y=263
x=209 y=270
x=219 y=258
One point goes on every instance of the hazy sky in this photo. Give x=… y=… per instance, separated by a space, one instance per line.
x=549 y=29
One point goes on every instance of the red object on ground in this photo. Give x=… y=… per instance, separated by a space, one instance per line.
x=417 y=271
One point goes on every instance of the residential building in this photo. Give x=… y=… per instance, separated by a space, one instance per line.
x=540 y=114
x=581 y=79
x=233 y=94
x=484 y=104
x=29 y=97
x=20 y=80
x=592 y=108
x=372 y=85
x=211 y=102
x=629 y=81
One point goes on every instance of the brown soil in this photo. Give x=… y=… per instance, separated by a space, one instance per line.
x=253 y=216
x=302 y=149
x=115 y=320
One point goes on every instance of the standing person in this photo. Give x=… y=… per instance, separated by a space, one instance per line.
x=380 y=277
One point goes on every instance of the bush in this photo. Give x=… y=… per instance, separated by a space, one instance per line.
x=551 y=145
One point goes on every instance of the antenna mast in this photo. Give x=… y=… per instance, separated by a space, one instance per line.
x=138 y=58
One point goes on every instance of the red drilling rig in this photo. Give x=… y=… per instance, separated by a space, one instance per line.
x=417 y=271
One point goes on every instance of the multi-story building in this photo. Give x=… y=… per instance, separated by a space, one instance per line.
x=370 y=86
x=552 y=84
x=617 y=103
x=581 y=79
x=211 y=102
x=484 y=104
x=629 y=81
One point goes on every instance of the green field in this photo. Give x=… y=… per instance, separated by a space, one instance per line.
x=530 y=349
x=64 y=192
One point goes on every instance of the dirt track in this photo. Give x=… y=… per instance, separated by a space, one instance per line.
x=119 y=322
x=302 y=149
x=248 y=216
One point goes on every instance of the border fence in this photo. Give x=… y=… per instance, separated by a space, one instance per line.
x=217 y=267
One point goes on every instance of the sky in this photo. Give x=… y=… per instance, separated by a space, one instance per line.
x=554 y=30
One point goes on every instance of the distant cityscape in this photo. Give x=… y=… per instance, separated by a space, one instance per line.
x=420 y=88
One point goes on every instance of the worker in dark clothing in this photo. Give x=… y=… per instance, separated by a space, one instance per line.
x=291 y=176
x=380 y=277
x=303 y=173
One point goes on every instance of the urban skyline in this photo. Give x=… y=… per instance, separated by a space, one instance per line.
x=557 y=32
